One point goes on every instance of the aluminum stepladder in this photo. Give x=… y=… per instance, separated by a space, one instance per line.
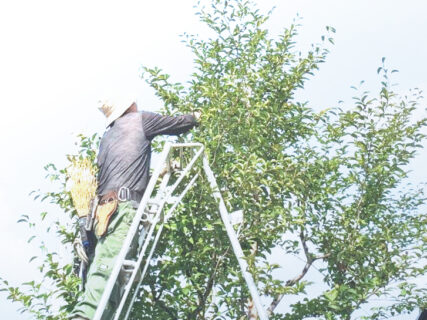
x=151 y=211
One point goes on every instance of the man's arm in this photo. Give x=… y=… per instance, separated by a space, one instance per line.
x=155 y=124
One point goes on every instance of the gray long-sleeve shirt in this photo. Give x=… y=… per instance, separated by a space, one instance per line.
x=125 y=149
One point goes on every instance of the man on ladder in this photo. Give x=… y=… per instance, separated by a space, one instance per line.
x=124 y=163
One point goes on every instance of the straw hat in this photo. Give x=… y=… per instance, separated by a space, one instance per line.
x=113 y=108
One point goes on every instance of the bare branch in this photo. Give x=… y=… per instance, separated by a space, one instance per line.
x=310 y=259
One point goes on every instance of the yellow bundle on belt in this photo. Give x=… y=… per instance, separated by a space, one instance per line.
x=82 y=184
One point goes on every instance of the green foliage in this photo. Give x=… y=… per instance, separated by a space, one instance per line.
x=330 y=186
x=55 y=294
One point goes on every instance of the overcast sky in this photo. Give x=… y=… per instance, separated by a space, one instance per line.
x=58 y=57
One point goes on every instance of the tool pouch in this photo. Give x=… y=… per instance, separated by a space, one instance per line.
x=106 y=208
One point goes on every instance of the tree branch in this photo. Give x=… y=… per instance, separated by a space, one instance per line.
x=205 y=295
x=252 y=311
x=161 y=303
x=209 y=286
x=310 y=259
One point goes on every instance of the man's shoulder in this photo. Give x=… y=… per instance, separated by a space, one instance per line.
x=148 y=114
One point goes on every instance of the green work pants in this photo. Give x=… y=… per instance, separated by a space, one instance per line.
x=106 y=251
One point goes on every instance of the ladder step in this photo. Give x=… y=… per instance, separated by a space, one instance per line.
x=128 y=266
x=153 y=202
x=150 y=211
x=152 y=207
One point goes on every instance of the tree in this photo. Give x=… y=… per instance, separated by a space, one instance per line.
x=330 y=186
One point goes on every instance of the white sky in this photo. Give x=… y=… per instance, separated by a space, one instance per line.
x=58 y=57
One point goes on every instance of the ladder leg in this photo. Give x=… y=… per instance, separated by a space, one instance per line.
x=234 y=241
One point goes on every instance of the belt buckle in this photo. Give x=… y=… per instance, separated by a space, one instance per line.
x=123 y=194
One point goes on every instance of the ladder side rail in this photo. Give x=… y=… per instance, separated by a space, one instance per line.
x=145 y=231
x=185 y=172
x=163 y=184
x=130 y=235
x=147 y=240
x=167 y=192
x=158 y=201
x=148 y=260
x=234 y=240
x=180 y=197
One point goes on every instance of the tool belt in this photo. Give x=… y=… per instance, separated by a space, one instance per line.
x=107 y=205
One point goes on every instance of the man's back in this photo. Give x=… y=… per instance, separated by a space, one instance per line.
x=125 y=150
x=124 y=155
